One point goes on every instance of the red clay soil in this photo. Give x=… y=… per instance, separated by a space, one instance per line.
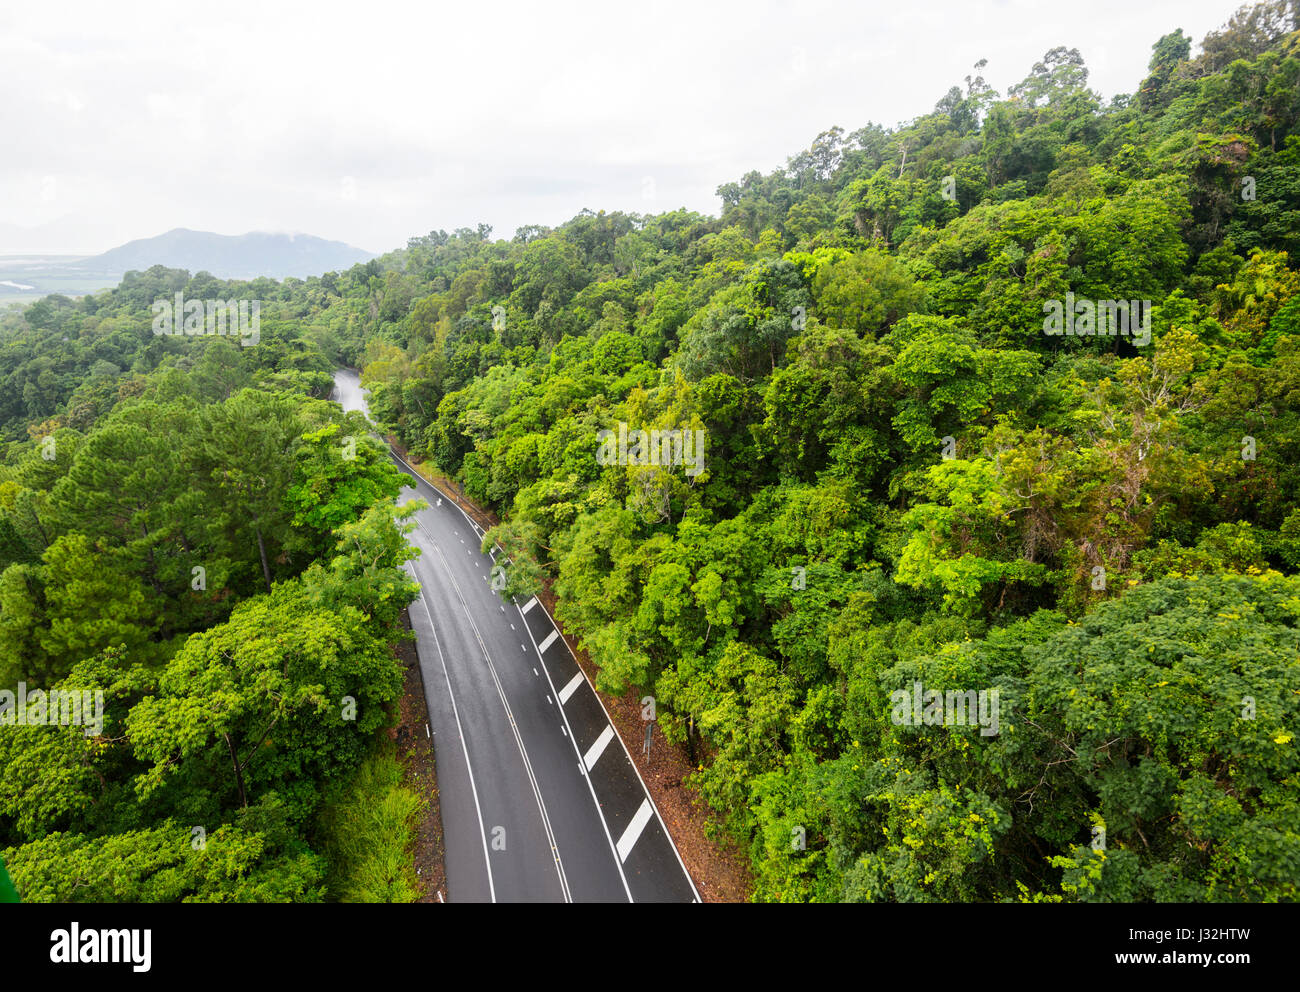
x=720 y=870
x=414 y=747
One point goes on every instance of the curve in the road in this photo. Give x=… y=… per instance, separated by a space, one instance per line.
x=536 y=805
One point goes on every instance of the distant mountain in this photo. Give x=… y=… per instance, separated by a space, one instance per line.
x=243 y=256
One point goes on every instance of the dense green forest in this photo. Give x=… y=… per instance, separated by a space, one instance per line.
x=192 y=530
x=906 y=480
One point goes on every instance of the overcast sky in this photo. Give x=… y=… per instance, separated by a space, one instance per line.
x=371 y=121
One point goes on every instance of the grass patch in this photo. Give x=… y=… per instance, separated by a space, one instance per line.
x=366 y=832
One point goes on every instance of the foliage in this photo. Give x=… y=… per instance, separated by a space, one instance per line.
x=903 y=479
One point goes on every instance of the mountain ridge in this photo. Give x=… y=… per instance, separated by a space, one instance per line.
x=232 y=256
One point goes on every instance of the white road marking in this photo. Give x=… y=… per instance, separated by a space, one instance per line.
x=582 y=770
x=550 y=639
x=414 y=484
x=596 y=750
x=633 y=832
x=464 y=748
x=571 y=688
x=510 y=716
x=550 y=700
x=623 y=744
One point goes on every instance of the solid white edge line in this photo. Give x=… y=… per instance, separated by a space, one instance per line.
x=469 y=520
x=532 y=602
x=667 y=833
x=464 y=747
x=582 y=769
x=519 y=740
x=460 y=730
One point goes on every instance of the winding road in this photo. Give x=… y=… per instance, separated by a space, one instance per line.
x=540 y=799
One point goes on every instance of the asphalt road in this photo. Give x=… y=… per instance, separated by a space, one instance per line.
x=540 y=800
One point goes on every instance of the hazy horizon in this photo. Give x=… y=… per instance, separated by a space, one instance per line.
x=443 y=119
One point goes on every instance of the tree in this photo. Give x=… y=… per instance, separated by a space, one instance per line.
x=338 y=477
x=90 y=605
x=160 y=864
x=278 y=698
x=1169 y=55
x=246 y=458
x=866 y=292
x=7 y=891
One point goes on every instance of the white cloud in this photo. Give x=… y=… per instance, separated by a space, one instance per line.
x=373 y=122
